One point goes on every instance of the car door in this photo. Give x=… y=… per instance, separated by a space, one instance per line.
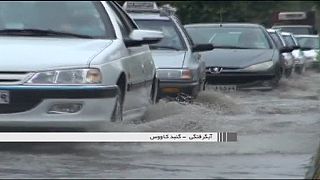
x=196 y=56
x=135 y=97
x=148 y=66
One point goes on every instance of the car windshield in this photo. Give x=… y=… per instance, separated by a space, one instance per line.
x=296 y=30
x=172 y=39
x=313 y=42
x=238 y=37
x=289 y=40
x=80 y=18
x=276 y=39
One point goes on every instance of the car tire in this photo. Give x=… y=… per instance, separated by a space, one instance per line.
x=300 y=69
x=196 y=90
x=204 y=85
x=288 y=72
x=275 y=81
x=154 y=94
x=117 y=115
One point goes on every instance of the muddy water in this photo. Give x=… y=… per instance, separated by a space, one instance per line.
x=278 y=132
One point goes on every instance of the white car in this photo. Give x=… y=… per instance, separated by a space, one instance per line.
x=313 y=43
x=72 y=64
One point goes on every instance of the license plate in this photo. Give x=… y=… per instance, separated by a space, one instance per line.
x=4 y=97
x=224 y=88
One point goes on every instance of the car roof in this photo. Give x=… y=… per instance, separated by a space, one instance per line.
x=273 y=30
x=307 y=35
x=235 y=25
x=286 y=33
x=291 y=26
x=148 y=16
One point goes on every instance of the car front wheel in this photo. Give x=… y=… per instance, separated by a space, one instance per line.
x=117 y=115
x=300 y=69
x=154 y=95
x=288 y=72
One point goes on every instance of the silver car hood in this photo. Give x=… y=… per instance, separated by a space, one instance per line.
x=168 y=58
x=237 y=58
x=39 y=54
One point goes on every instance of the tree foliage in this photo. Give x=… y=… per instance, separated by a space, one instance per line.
x=236 y=11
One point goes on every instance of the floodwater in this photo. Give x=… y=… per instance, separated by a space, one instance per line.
x=278 y=133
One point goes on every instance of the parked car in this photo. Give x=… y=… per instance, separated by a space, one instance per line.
x=180 y=67
x=312 y=45
x=244 y=55
x=72 y=64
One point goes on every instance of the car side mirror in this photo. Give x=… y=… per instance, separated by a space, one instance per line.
x=140 y=37
x=286 y=49
x=202 y=47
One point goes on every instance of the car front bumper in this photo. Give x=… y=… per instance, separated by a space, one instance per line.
x=29 y=106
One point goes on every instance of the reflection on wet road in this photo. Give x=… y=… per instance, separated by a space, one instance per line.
x=277 y=136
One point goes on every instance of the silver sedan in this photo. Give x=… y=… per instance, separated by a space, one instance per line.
x=180 y=67
x=80 y=69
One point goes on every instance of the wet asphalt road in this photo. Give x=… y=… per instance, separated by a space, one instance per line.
x=278 y=133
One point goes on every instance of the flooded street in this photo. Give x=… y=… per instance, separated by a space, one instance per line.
x=278 y=133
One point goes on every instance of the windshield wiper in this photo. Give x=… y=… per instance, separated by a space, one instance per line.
x=165 y=47
x=40 y=32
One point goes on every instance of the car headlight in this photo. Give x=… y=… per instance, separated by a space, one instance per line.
x=70 y=76
x=260 y=67
x=174 y=74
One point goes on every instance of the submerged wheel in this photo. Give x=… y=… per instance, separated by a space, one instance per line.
x=300 y=69
x=117 y=115
x=275 y=81
x=288 y=72
x=154 y=96
x=194 y=92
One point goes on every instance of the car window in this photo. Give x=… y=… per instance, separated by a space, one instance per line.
x=297 y=30
x=252 y=38
x=191 y=43
x=276 y=39
x=172 y=38
x=121 y=20
x=289 y=40
x=126 y=17
x=80 y=17
x=313 y=42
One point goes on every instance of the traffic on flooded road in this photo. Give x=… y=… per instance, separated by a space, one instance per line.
x=251 y=88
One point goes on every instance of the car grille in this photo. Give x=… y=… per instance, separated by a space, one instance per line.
x=17 y=107
x=236 y=80
x=19 y=102
x=13 y=77
x=225 y=68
